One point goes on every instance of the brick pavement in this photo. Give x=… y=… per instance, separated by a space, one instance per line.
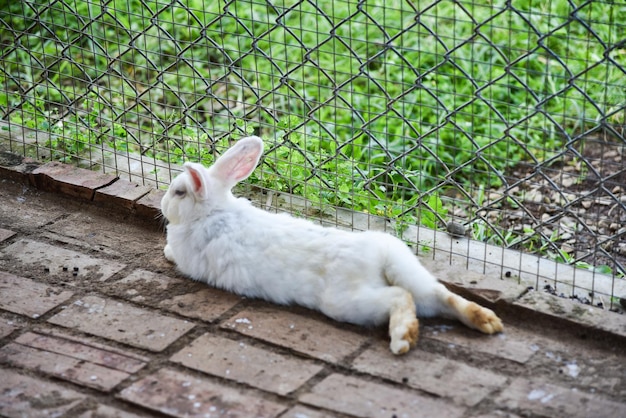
x=95 y=323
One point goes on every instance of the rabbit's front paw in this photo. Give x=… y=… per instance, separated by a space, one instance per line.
x=167 y=251
x=404 y=336
x=484 y=319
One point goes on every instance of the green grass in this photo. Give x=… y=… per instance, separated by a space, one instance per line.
x=377 y=117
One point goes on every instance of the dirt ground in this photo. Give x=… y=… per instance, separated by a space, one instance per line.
x=578 y=202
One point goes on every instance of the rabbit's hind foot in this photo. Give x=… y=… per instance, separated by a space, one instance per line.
x=475 y=316
x=404 y=336
x=484 y=319
x=403 y=324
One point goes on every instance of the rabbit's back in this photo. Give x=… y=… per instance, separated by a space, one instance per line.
x=276 y=257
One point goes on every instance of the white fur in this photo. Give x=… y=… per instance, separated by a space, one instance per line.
x=357 y=277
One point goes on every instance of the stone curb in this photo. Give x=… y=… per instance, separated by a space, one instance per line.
x=83 y=184
x=144 y=201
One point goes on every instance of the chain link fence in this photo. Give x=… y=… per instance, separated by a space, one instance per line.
x=502 y=122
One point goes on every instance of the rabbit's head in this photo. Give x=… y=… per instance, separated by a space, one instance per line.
x=199 y=191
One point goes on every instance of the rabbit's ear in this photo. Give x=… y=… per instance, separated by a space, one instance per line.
x=239 y=161
x=197 y=179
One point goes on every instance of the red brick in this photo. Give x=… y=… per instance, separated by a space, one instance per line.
x=122 y=323
x=104 y=411
x=153 y=289
x=149 y=206
x=6 y=326
x=431 y=373
x=538 y=398
x=244 y=363
x=303 y=334
x=139 y=281
x=15 y=167
x=206 y=304
x=513 y=344
x=179 y=395
x=28 y=297
x=24 y=396
x=61 y=366
x=69 y=180
x=580 y=315
x=496 y=414
x=85 y=349
x=300 y=411
x=107 y=234
x=25 y=208
x=484 y=288
x=38 y=255
x=5 y=234
x=121 y=193
x=361 y=398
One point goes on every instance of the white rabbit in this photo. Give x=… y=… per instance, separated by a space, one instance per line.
x=365 y=278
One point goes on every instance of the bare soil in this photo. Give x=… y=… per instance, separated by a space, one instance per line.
x=578 y=202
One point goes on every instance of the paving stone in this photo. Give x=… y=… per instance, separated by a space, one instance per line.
x=300 y=411
x=24 y=396
x=149 y=206
x=496 y=414
x=157 y=261
x=513 y=344
x=69 y=180
x=5 y=234
x=486 y=287
x=139 y=281
x=81 y=362
x=305 y=335
x=82 y=245
x=64 y=367
x=105 y=411
x=122 y=323
x=121 y=193
x=24 y=207
x=546 y=399
x=361 y=398
x=153 y=289
x=15 y=167
x=431 y=373
x=246 y=364
x=206 y=304
x=179 y=395
x=6 y=326
x=60 y=262
x=113 y=236
x=28 y=297
x=579 y=314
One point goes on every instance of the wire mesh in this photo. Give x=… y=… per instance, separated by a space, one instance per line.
x=505 y=118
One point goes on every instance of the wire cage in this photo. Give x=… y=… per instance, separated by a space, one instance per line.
x=487 y=133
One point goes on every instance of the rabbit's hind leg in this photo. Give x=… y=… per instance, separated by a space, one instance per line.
x=471 y=314
x=402 y=269
x=403 y=324
x=377 y=305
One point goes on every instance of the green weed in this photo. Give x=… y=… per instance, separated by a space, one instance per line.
x=371 y=117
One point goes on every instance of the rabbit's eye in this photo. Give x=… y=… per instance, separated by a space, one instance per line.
x=180 y=192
